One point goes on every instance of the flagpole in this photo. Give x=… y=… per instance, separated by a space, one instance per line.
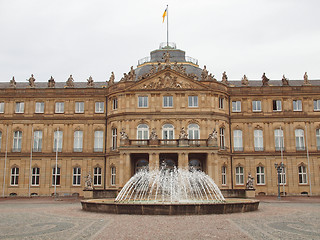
x=167 y=26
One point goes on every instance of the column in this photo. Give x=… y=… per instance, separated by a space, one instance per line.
x=183 y=160
x=153 y=161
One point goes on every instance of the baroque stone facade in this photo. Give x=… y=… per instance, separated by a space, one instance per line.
x=109 y=130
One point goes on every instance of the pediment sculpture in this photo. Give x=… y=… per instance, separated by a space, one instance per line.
x=167 y=82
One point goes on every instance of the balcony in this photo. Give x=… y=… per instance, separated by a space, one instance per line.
x=168 y=143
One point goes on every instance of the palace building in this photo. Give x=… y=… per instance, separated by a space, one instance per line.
x=167 y=110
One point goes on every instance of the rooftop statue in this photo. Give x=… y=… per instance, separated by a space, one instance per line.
x=51 y=82
x=90 y=82
x=31 y=81
x=305 y=79
x=265 y=80
x=224 y=77
x=70 y=82
x=204 y=73
x=131 y=74
x=13 y=82
x=166 y=57
x=285 y=81
x=244 y=81
x=111 y=79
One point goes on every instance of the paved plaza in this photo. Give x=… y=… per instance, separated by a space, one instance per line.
x=45 y=218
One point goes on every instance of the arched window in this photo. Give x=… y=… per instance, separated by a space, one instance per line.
x=142 y=133
x=299 y=134
x=167 y=132
x=194 y=133
x=278 y=139
x=141 y=164
x=239 y=175
x=17 y=140
x=97 y=176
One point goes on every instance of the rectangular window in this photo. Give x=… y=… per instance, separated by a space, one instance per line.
x=1 y=107
x=258 y=140
x=222 y=138
x=299 y=134
x=114 y=138
x=17 y=140
x=260 y=176
x=316 y=105
x=256 y=106
x=142 y=101
x=239 y=176
x=236 y=106
x=99 y=107
x=283 y=179
x=19 y=107
x=167 y=101
x=237 y=140
x=35 y=177
x=79 y=107
x=55 y=177
x=14 y=176
x=297 y=105
x=39 y=107
x=77 y=141
x=37 y=141
x=76 y=178
x=113 y=176
x=114 y=103
x=97 y=176
x=278 y=139
x=57 y=141
x=276 y=105
x=192 y=101
x=98 y=141
x=221 y=103
x=318 y=138
x=0 y=140
x=224 y=175
x=303 y=175
x=59 y=107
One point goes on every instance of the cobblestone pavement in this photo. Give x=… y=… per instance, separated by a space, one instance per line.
x=44 y=218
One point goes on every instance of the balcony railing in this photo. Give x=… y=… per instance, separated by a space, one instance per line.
x=77 y=149
x=169 y=143
x=258 y=149
x=300 y=148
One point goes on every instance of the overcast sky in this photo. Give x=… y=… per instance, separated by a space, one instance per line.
x=95 y=37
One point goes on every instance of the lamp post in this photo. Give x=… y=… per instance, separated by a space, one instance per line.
x=279 y=168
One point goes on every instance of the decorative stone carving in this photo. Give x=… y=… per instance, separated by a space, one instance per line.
x=285 y=81
x=159 y=68
x=204 y=73
x=88 y=182
x=90 y=82
x=183 y=135
x=70 y=82
x=224 y=77
x=31 y=81
x=153 y=134
x=249 y=184
x=13 y=82
x=51 y=82
x=111 y=79
x=265 y=80
x=244 y=81
x=213 y=138
x=305 y=79
x=123 y=135
x=167 y=82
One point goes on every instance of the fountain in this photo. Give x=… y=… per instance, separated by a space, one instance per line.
x=170 y=191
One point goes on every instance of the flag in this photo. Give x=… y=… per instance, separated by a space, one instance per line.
x=164 y=15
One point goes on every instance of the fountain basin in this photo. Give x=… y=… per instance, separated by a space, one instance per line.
x=151 y=208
